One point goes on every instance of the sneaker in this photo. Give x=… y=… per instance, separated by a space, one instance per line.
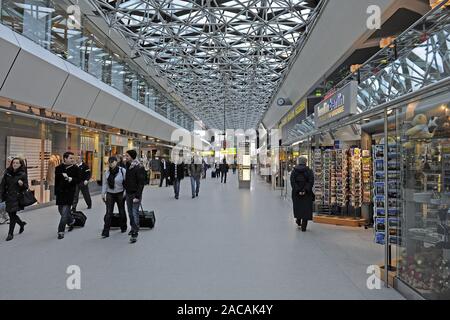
x=105 y=234
x=133 y=239
x=193 y=197
x=196 y=194
x=9 y=237
x=60 y=236
x=22 y=227
x=130 y=233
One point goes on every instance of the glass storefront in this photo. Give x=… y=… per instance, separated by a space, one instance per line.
x=424 y=134
x=49 y=24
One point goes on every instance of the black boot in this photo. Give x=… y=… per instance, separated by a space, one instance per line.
x=22 y=227
x=105 y=234
x=9 y=237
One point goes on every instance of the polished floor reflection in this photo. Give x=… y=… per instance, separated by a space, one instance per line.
x=225 y=244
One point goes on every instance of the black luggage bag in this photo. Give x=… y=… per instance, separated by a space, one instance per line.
x=213 y=174
x=115 y=220
x=147 y=219
x=80 y=218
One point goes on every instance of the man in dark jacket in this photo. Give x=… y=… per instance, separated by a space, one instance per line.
x=195 y=173
x=67 y=177
x=224 y=170
x=176 y=173
x=134 y=186
x=302 y=182
x=164 y=167
x=83 y=186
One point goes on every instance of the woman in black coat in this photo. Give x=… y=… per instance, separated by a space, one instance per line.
x=302 y=182
x=14 y=183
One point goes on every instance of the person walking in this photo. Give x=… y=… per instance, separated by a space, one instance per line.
x=176 y=175
x=234 y=166
x=67 y=177
x=112 y=193
x=134 y=186
x=218 y=171
x=302 y=182
x=195 y=173
x=204 y=168
x=14 y=183
x=164 y=167
x=83 y=186
x=224 y=170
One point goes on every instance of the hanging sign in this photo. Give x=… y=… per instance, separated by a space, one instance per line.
x=120 y=141
x=340 y=105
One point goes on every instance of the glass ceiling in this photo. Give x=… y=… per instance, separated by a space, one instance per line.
x=216 y=54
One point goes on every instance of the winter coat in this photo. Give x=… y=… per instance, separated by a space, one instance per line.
x=85 y=172
x=302 y=180
x=135 y=179
x=65 y=190
x=195 y=170
x=10 y=191
x=224 y=167
x=180 y=171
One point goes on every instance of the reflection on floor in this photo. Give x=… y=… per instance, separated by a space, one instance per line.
x=225 y=244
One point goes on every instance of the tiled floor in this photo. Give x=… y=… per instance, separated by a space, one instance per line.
x=226 y=244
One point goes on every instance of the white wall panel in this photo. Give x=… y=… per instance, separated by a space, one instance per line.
x=104 y=108
x=124 y=117
x=9 y=47
x=33 y=81
x=76 y=97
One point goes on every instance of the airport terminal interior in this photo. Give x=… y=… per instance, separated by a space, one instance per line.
x=225 y=149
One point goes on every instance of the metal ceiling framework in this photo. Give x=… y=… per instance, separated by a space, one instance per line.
x=216 y=54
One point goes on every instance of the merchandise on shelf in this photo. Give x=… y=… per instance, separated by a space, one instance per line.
x=393 y=196
x=342 y=192
x=355 y=178
x=366 y=164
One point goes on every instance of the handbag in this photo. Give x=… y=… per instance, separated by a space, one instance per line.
x=27 y=199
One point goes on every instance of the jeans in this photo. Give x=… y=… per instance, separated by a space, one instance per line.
x=66 y=217
x=176 y=187
x=111 y=200
x=195 y=185
x=133 y=213
x=87 y=197
x=13 y=219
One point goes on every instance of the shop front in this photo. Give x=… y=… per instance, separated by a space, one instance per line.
x=389 y=169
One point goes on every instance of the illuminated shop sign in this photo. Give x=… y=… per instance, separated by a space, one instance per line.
x=339 y=105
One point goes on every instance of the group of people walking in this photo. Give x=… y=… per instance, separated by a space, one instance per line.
x=123 y=184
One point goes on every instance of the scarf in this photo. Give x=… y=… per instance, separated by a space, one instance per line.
x=112 y=176
x=134 y=163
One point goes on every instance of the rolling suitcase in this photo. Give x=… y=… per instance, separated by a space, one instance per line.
x=80 y=218
x=213 y=174
x=115 y=220
x=147 y=219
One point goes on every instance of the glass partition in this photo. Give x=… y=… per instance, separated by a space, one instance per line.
x=47 y=23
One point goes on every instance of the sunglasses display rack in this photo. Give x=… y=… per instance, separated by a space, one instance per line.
x=379 y=197
x=327 y=158
x=318 y=176
x=342 y=192
x=355 y=178
x=366 y=164
x=333 y=178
